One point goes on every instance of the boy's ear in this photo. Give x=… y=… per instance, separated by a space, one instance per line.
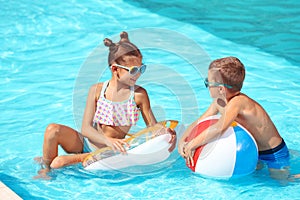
x=222 y=90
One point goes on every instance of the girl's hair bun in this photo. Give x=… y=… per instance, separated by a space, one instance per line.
x=118 y=50
x=124 y=37
x=107 y=42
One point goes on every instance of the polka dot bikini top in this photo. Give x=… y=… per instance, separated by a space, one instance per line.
x=125 y=113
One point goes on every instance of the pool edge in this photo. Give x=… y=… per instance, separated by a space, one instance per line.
x=7 y=193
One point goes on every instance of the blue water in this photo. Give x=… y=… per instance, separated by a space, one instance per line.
x=272 y=27
x=52 y=52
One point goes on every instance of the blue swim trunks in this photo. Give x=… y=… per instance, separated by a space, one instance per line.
x=276 y=158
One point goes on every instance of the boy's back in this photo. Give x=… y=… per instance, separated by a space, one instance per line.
x=255 y=119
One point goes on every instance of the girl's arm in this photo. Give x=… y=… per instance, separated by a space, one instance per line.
x=142 y=100
x=87 y=129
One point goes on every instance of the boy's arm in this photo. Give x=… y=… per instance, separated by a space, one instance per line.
x=212 y=110
x=231 y=111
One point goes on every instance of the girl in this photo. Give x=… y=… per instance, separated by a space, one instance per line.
x=111 y=109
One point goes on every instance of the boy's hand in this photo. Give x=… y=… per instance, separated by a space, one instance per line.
x=181 y=145
x=189 y=153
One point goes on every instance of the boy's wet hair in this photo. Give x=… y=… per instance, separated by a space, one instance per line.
x=117 y=51
x=231 y=70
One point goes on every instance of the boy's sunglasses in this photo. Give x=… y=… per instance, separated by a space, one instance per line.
x=133 y=70
x=215 y=84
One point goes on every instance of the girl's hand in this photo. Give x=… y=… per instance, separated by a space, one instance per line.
x=159 y=130
x=164 y=130
x=173 y=139
x=117 y=144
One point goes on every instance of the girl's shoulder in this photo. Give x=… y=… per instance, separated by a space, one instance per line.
x=139 y=90
x=140 y=95
x=99 y=84
x=96 y=89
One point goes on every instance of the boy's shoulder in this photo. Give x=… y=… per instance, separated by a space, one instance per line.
x=235 y=100
x=242 y=100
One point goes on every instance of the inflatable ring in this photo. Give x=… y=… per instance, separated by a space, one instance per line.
x=148 y=146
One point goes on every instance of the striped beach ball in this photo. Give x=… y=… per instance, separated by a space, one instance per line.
x=233 y=154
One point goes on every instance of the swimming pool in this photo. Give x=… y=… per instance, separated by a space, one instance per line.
x=47 y=49
x=273 y=27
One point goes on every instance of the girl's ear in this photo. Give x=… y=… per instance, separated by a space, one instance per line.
x=114 y=69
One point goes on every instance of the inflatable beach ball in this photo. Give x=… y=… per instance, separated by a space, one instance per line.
x=233 y=154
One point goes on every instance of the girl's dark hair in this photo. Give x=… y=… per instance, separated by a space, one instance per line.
x=117 y=51
x=231 y=70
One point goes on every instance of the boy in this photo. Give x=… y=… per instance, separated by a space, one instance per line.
x=225 y=80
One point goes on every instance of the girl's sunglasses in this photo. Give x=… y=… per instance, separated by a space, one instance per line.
x=133 y=70
x=215 y=84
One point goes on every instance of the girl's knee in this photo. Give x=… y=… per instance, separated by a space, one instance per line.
x=58 y=162
x=52 y=131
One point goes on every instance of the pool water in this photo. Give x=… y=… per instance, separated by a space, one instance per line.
x=273 y=27
x=52 y=52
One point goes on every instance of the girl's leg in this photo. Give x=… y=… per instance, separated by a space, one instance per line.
x=65 y=160
x=69 y=139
